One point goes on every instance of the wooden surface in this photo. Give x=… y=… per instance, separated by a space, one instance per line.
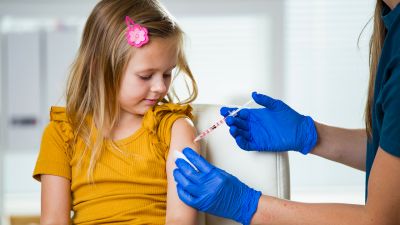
x=24 y=220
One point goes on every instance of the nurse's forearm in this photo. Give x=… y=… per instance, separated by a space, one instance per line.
x=272 y=211
x=346 y=146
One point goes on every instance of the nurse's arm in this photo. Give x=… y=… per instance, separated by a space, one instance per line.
x=346 y=146
x=382 y=207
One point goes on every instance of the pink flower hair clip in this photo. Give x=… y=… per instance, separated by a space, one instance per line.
x=136 y=35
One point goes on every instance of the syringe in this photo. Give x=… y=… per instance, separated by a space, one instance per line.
x=221 y=121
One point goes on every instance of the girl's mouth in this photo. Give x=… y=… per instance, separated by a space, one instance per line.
x=151 y=101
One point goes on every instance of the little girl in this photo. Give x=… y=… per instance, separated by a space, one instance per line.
x=108 y=155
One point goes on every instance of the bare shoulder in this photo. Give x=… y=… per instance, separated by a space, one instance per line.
x=183 y=125
x=183 y=134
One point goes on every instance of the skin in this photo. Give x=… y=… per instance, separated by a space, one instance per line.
x=183 y=134
x=391 y=3
x=55 y=200
x=148 y=73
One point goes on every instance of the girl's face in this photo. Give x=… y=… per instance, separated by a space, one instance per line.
x=147 y=77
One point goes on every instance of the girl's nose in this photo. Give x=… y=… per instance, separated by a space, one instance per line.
x=159 y=85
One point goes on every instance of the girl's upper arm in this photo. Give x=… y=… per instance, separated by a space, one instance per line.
x=55 y=199
x=383 y=203
x=183 y=134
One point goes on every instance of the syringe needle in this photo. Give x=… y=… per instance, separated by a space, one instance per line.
x=213 y=127
x=221 y=121
x=233 y=113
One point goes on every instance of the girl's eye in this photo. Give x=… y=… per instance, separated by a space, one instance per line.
x=144 y=77
x=168 y=75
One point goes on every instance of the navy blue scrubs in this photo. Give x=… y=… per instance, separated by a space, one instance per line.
x=386 y=107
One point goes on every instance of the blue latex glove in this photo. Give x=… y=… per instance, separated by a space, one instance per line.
x=213 y=190
x=275 y=127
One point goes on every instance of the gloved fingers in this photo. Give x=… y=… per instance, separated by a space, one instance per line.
x=235 y=132
x=242 y=143
x=185 y=167
x=184 y=182
x=185 y=196
x=238 y=122
x=266 y=101
x=224 y=111
x=198 y=161
x=189 y=172
x=243 y=114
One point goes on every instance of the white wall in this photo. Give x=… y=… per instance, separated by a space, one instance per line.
x=326 y=77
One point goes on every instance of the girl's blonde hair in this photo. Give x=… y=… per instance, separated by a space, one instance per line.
x=94 y=81
x=375 y=46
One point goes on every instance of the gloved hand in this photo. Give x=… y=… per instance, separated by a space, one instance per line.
x=213 y=190
x=275 y=128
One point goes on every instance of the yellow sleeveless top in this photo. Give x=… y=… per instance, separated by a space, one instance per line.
x=130 y=183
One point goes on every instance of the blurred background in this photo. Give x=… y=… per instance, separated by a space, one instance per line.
x=310 y=53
